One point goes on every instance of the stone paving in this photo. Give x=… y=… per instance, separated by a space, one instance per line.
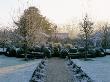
x=57 y=71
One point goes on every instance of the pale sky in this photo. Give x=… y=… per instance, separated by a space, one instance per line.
x=57 y=11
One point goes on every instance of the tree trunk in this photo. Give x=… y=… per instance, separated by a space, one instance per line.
x=86 y=47
x=25 y=49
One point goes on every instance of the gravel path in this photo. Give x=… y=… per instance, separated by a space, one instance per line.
x=57 y=71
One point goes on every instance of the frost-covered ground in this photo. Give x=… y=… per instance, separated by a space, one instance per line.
x=16 y=70
x=97 y=68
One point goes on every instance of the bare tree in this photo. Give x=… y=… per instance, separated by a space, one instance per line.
x=86 y=29
x=4 y=37
x=105 y=35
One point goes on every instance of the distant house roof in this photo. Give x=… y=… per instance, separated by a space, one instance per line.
x=46 y=35
x=60 y=35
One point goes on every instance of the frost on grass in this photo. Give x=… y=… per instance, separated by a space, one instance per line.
x=97 y=69
x=77 y=74
x=16 y=70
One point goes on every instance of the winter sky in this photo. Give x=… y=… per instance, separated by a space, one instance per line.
x=58 y=11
